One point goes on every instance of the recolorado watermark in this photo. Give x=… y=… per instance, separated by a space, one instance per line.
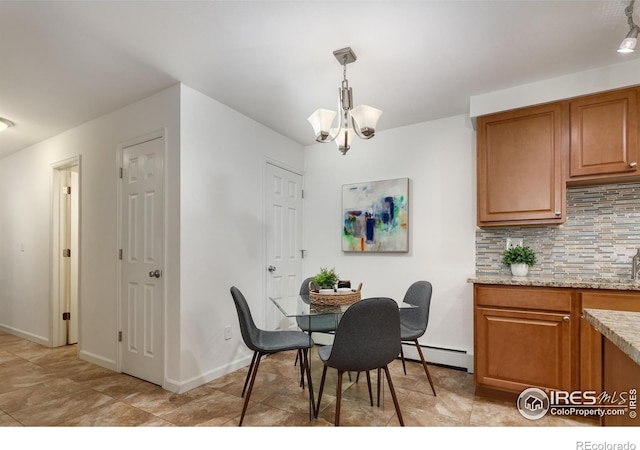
x=534 y=403
x=589 y=445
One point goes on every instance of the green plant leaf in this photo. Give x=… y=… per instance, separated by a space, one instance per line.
x=519 y=255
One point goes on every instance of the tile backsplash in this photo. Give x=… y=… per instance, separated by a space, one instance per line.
x=598 y=240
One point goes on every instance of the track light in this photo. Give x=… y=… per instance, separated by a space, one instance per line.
x=5 y=123
x=628 y=44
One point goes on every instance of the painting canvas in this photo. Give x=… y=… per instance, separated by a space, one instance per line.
x=375 y=216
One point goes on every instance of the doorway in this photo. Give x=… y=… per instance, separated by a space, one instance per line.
x=65 y=234
x=283 y=225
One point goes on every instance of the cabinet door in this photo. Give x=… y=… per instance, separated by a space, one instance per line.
x=520 y=166
x=604 y=135
x=591 y=339
x=517 y=349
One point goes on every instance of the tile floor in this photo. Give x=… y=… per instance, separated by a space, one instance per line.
x=40 y=386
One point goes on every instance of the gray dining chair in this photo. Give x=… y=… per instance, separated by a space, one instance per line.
x=322 y=323
x=414 y=321
x=367 y=338
x=266 y=343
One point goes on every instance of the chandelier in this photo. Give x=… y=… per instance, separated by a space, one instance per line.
x=360 y=120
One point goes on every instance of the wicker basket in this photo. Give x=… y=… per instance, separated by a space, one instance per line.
x=334 y=298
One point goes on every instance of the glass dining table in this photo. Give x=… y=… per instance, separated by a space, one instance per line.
x=300 y=307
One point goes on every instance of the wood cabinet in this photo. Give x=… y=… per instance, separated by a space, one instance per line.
x=604 y=136
x=524 y=337
x=591 y=340
x=620 y=374
x=528 y=336
x=520 y=166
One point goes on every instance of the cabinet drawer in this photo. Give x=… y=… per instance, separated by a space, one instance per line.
x=614 y=301
x=523 y=298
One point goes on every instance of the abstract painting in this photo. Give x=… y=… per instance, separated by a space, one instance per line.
x=375 y=216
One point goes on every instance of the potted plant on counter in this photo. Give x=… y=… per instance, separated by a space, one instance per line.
x=519 y=258
x=326 y=279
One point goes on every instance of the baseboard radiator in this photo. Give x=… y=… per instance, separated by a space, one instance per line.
x=450 y=357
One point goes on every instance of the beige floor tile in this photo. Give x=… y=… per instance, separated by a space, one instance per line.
x=40 y=386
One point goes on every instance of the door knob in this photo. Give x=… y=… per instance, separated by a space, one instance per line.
x=155 y=274
x=271 y=268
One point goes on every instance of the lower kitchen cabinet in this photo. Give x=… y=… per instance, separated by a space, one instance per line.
x=591 y=350
x=524 y=337
x=530 y=336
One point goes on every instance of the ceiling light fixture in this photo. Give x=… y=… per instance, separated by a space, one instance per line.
x=360 y=120
x=5 y=123
x=628 y=44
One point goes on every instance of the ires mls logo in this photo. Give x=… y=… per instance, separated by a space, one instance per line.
x=534 y=403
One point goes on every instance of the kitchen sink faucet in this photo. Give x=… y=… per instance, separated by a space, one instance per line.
x=635 y=265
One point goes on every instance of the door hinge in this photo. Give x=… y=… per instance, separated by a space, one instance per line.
x=119 y=336
x=120 y=253
x=302 y=193
x=66 y=252
x=66 y=316
x=120 y=172
x=67 y=190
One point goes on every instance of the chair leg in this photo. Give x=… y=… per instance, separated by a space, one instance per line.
x=299 y=356
x=402 y=358
x=393 y=395
x=324 y=374
x=369 y=386
x=307 y=367
x=253 y=378
x=424 y=364
x=246 y=380
x=379 y=387
x=338 y=397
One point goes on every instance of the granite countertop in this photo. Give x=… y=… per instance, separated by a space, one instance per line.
x=621 y=284
x=620 y=327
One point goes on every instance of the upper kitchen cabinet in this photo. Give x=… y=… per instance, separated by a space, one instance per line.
x=604 y=137
x=520 y=166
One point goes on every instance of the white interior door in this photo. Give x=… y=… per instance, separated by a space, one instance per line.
x=74 y=244
x=66 y=252
x=283 y=190
x=142 y=237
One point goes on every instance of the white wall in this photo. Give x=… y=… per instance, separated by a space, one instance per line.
x=439 y=159
x=25 y=218
x=223 y=155
x=572 y=85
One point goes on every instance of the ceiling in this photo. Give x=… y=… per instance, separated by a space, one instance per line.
x=65 y=63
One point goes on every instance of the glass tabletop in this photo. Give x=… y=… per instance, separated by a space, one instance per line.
x=301 y=306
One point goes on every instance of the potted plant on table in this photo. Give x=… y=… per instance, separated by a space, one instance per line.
x=519 y=258
x=326 y=279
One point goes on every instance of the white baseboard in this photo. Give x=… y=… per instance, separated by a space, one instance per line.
x=447 y=357
x=98 y=360
x=26 y=335
x=180 y=387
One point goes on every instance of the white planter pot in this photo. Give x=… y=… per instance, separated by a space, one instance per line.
x=519 y=270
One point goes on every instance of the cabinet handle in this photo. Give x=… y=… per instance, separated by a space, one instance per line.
x=565 y=319
x=558 y=213
x=633 y=164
